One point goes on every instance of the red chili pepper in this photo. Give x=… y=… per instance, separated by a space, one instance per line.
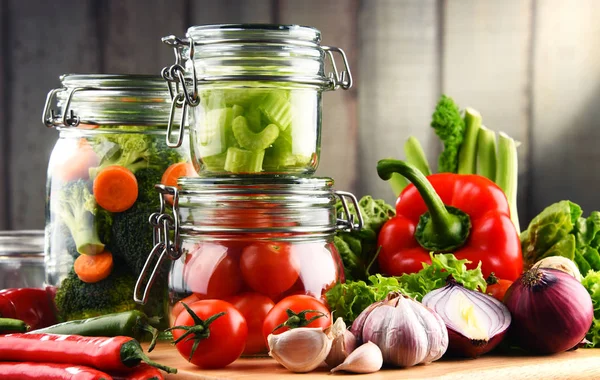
x=31 y=305
x=141 y=372
x=49 y=371
x=118 y=353
x=467 y=215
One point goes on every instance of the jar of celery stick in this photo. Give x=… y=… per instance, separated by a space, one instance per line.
x=253 y=95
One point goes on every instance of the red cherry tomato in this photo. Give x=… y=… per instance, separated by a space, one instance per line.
x=269 y=268
x=212 y=271
x=254 y=307
x=498 y=289
x=296 y=303
x=226 y=339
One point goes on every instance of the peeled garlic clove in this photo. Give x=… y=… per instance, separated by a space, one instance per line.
x=365 y=359
x=344 y=342
x=301 y=349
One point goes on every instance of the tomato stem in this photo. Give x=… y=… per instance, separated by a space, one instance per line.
x=198 y=332
x=299 y=319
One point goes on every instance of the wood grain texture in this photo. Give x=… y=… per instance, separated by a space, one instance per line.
x=580 y=364
x=485 y=66
x=229 y=12
x=566 y=113
x=47 y=39
x=133 y=32
x=398 y=84
x=337 y=21
x=4 y=127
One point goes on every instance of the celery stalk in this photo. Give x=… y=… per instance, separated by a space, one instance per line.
x=468 y=149
x=397 y=183
x=486 y=153
x=415 y=155
x=508 y=173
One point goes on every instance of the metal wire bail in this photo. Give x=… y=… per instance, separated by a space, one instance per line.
x=341 y=79
x=348 y=224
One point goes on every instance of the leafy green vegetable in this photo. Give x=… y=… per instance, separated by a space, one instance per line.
x=591 y=282
x=560 y=230
x=358 y=249
x=76 y=207
x=350 y=299
x=450 y=128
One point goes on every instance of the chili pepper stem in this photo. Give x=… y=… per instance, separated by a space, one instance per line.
x=132 y=353
x=442 y=228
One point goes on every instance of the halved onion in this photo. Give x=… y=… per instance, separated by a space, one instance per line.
x=476 y=322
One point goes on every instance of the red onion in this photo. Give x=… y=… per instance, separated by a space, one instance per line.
x=476 y=322
x=551 y=311
x=406 y=332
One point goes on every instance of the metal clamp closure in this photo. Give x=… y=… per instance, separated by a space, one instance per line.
x=339 y=79
x=348 y=223
x=68 y=118
x=164 y=247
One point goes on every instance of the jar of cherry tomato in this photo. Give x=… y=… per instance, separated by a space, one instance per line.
x=110 y=153
x=251 y=241
x=255 y=95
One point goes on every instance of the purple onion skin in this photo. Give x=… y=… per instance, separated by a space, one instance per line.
x=462 y=346
x=551 y=310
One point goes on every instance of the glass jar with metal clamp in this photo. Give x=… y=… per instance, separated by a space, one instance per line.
x=254 y=96
x=110 y=153
x=250 y=239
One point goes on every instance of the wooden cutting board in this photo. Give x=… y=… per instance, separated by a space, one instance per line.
x=579 y=364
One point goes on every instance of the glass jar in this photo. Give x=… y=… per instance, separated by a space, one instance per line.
x=255 y=93
x=256 y=238
x=110 y=153
x=22 y=259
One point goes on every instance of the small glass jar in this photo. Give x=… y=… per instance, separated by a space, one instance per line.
x=255 y=92
x=22 y=259
x=110 y=153
x=259 y=238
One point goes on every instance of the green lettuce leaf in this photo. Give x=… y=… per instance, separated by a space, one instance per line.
x=591 y=282
x=350 y=299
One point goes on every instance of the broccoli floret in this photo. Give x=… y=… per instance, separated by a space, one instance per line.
x=450 y=128
x=147 y=194
x=76 y=207
x=76 y=299
x=131 y=150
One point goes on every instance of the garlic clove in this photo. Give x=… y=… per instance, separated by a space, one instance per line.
x=301 y=349
x=344 y=342
x=365 y=359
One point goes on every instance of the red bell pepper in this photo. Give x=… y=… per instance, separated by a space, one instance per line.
x=467 y=215
x=33 y=306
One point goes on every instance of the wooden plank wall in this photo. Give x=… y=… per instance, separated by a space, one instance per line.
x=530 y=67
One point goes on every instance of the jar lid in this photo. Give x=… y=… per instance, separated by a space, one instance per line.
x=22 y=242
x=109 y=99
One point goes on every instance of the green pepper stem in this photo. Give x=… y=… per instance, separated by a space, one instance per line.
x=441 y=229
x=132 y=354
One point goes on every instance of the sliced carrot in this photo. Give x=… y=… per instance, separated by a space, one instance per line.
x=115 y=188
x=76 y=164
x=93 y=268
x=176 y=171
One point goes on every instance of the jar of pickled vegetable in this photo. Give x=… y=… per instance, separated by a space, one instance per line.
x=250 y=241
x=110 y=153
x=254 y=94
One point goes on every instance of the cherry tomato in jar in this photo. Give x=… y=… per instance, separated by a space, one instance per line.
x=178 y=306
x=254 y=307
x=498 y=290
x=226 y=338
x=319 y=271
x=269 y=268
x=212 y=271
x=320 y=316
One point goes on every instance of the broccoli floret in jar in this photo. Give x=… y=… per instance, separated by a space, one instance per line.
x=76 y=299
x=76 y=207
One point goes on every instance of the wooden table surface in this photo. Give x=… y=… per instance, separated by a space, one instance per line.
x=579 y=364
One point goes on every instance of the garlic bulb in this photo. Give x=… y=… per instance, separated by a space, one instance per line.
x=301 y=349
x=560 y=263
x=407 y=332
x=365 y=359
x=344 y=342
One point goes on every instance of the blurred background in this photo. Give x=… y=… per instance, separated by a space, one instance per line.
x=531 y=67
